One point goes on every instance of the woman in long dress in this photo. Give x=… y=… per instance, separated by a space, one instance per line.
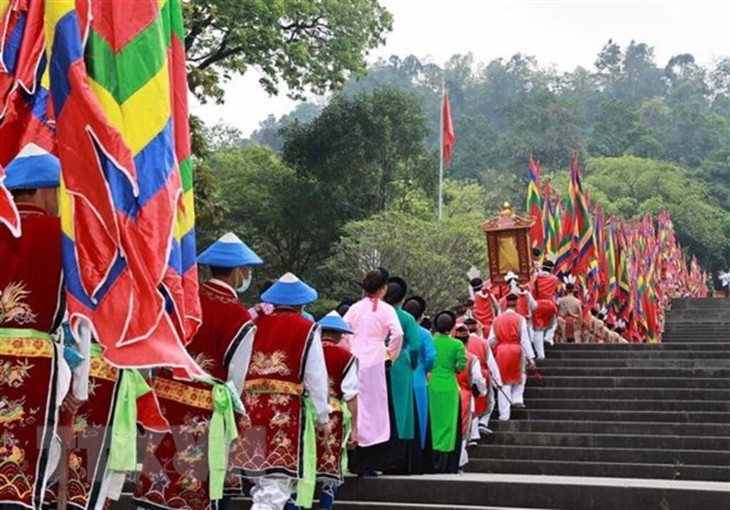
x=444 y=395
x=376 y=341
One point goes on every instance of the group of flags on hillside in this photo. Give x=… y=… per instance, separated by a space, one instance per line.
x=103 y=86
x=630 y=268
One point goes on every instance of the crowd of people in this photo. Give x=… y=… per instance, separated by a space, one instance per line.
x=381 y=385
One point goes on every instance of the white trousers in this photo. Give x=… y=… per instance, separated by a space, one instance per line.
x=464 y=458
x=515 y=393
x=474 y=429
x=540 y=337
x=484 y=420
x=271 y=492
x=538 y=341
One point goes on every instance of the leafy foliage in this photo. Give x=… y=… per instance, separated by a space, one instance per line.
x=432 y=257
x=369 y=149
x=304 y=44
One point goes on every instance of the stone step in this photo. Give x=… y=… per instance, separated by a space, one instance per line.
x=679 y=372
x=713 y=406
x=603 y=440
x=626 y=455
x=704 y=328
x=572 y=468
x=700 y=303
x=580 y=392
x=635 y=382
x=355 y=505
x=639 y=354
x=636 y=348
x=554 y=492
x=245 y=503
x=698 y=316
x=631 y=363
x=613 y=427
x=614 y=415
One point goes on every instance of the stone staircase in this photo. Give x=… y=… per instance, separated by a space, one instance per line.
x=610 y=427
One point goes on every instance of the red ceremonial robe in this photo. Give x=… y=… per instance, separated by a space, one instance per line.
x=544 y=291
x=30 y=300
x=92 y=427
x=508 y=351
x=175 y=469
x=523 y=305
x=31 y=281
x=339 y=362
x=478 y=347
x=273 y=442
x=484 y=311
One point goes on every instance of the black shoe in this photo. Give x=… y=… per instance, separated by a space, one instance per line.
x=518 y=406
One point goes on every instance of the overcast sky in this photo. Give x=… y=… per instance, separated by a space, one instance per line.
x=565 y=33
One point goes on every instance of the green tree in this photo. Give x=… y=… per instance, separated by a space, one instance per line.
x=304 y=44
x=432 y=257
x=283 y=215
x=616 y=128
x=366 y=148
x=629 y=186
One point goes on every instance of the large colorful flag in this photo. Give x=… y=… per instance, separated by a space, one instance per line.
x=122 y=196
x=582 y=228
x=23 y=100
x=565 y=252
x=611 y=263
x=534 y=204
x=548 y=214
x=448 y=137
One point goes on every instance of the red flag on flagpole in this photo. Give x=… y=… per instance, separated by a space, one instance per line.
x=447 y=129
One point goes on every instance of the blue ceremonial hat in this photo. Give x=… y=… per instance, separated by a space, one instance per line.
x=229 y=251
x=289 y=291
x=333 y=322
x=33 y=168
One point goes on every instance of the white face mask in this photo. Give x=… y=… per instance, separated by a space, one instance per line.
x=245 y=284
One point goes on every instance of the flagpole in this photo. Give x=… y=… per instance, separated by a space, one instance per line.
x=441 y=154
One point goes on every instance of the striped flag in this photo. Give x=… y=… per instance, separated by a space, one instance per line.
x=612 y=288
x=23 y=100
x=565 y=255
x=548 y=215
x=582 y=229
x=534 y=204
x=123 y=208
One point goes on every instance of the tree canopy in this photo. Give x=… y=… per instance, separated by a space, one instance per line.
x=305 y=45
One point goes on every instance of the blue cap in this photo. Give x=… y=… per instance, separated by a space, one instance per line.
x=229 y=251
x=333 y=322
x=289 y=291
x=33 y=168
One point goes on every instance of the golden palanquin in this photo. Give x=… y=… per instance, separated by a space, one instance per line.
x=508 y=245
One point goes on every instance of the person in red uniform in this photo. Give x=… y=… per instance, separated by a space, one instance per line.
x=472 y=385
x=35 y=379
x=486 y=306
x=512 y=350
x=483 y=405
x=544 y=317
x=526 y=304
x=286 y=396
x=343 y=390
x=175 y=471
